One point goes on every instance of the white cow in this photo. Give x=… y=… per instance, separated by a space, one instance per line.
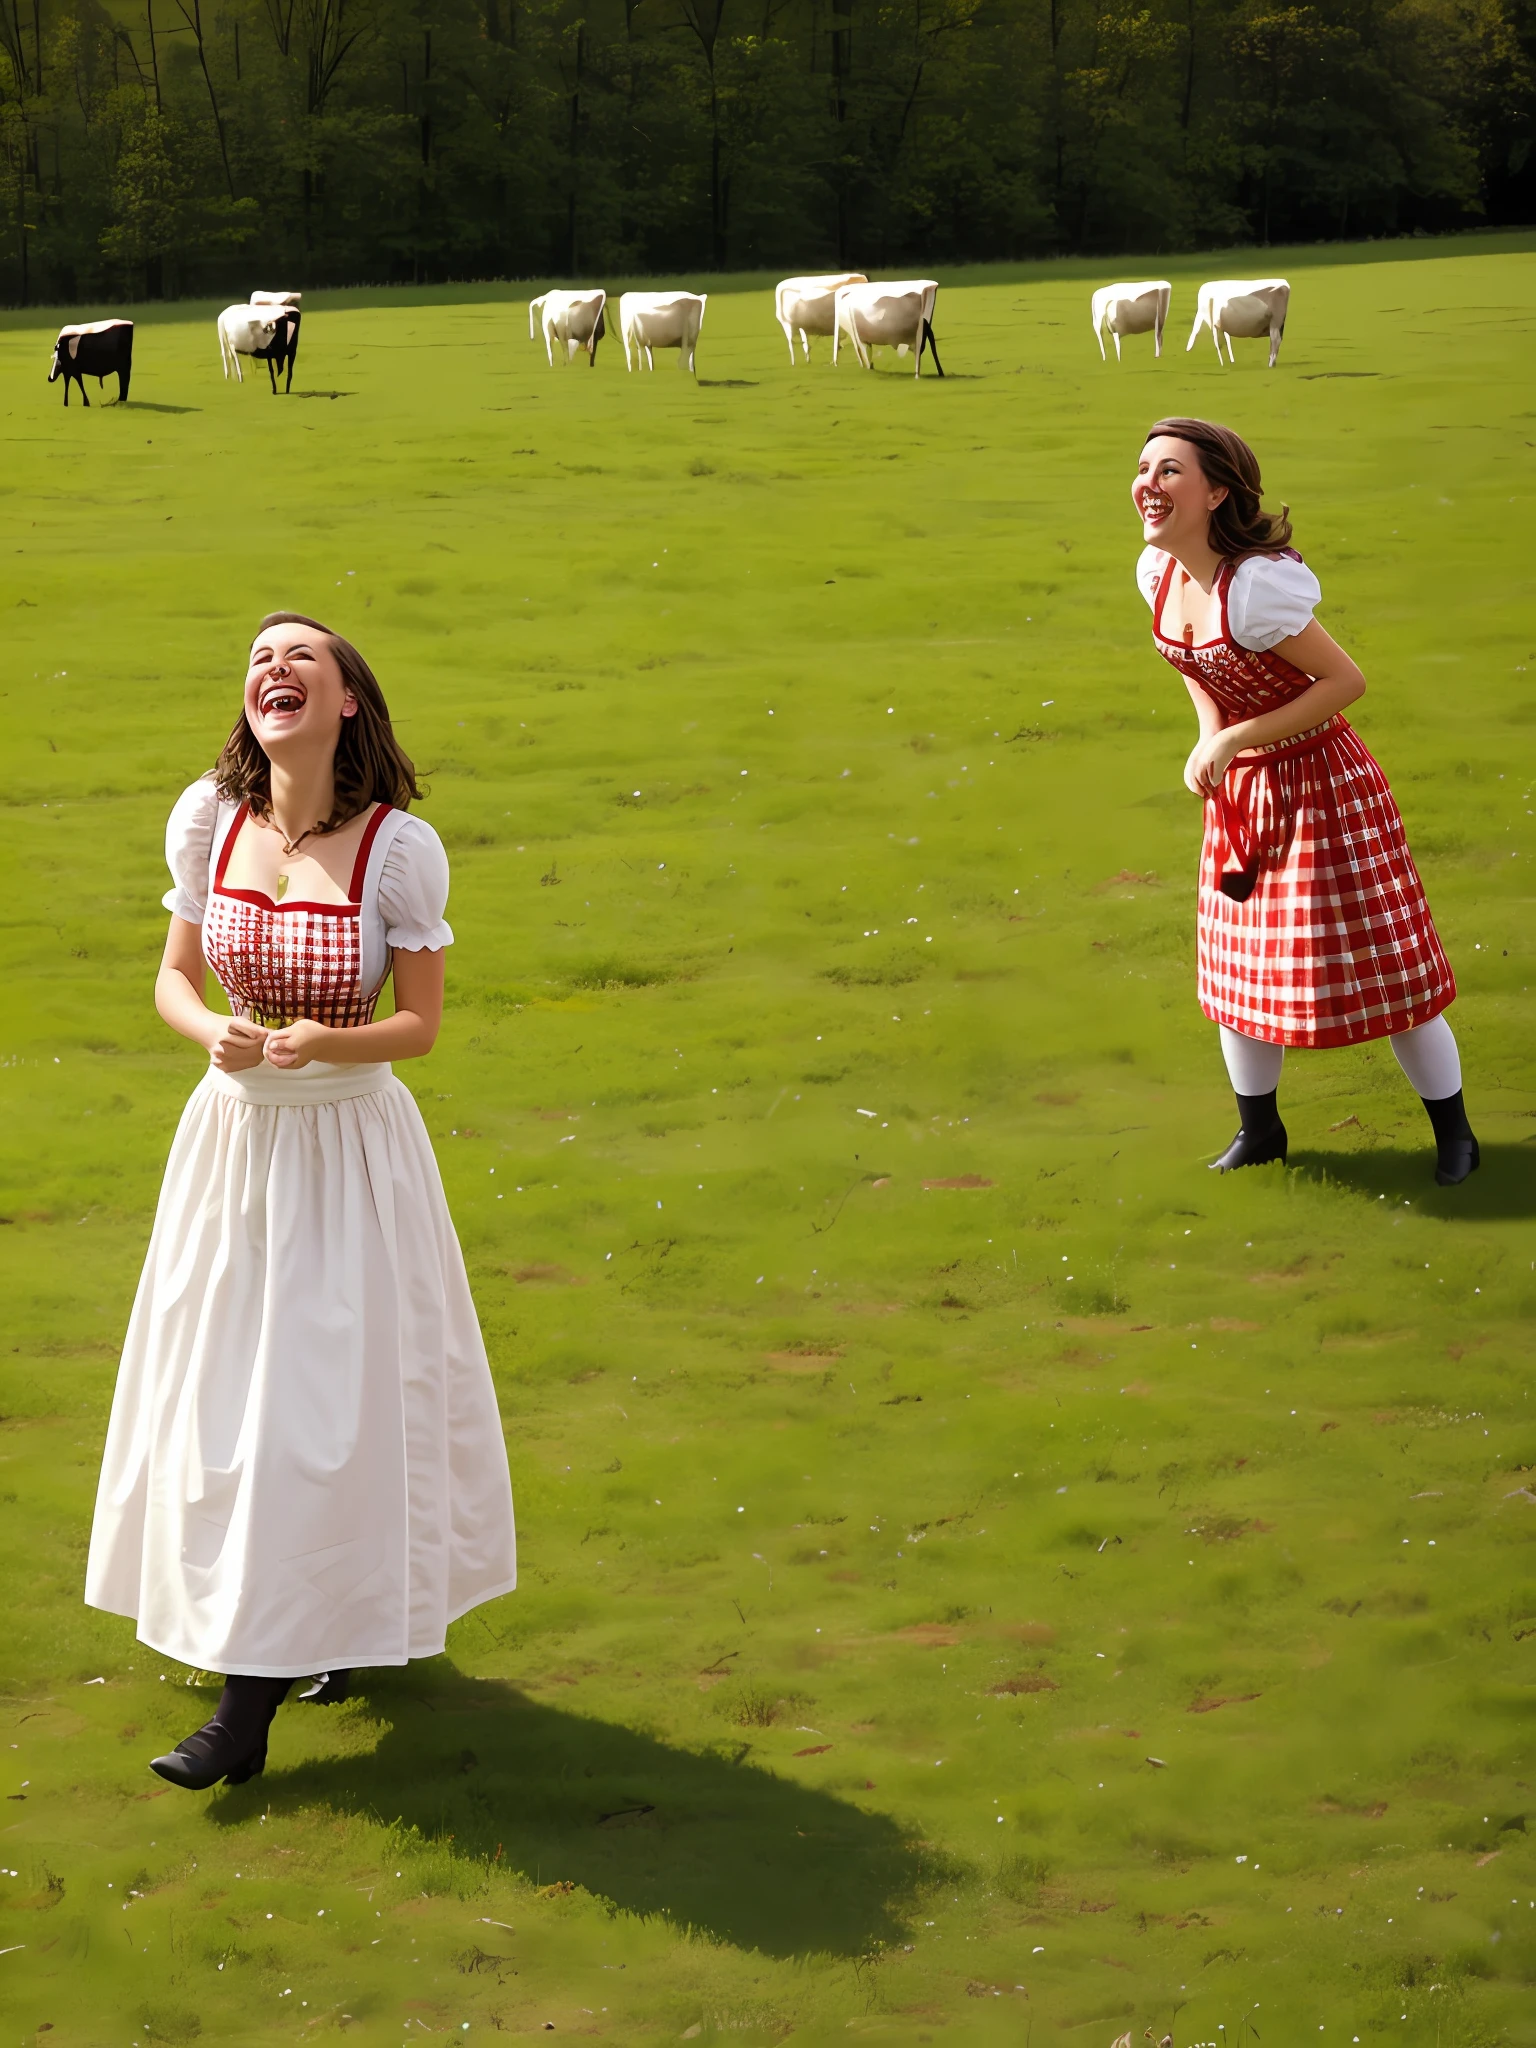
x=1131 y=309
x=1247 y=307
x=651 y=320
x=806 y=305
x=277 y=298
x=574 y=319
x=898 y=316
x=243 y=331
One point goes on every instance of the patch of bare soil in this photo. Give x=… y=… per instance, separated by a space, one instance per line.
x=1027 y=1681
x=1212 y=1701
x=959 y=1180
x=803 y=1361
x=545 y=1276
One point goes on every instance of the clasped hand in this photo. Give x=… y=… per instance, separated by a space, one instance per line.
x=1207 y=765
x=241 y=1044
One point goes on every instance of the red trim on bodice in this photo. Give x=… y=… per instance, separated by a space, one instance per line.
x=277 y=962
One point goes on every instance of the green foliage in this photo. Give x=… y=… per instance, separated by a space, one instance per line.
x=1057 y=1584
x=216 y=143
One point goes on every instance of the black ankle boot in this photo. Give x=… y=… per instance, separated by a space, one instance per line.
x=1455 y=1145
x=233 y=1745
x=328 y=1689
x=1261 y=1139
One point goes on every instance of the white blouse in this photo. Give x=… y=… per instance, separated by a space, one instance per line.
x=1270 y=596
x=405 y=886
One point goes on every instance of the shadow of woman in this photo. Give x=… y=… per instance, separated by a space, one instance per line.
x=1504 y=1185
x=707 y=1839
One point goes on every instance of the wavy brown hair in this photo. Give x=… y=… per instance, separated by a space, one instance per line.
x=371 y=765
x=1239 y=524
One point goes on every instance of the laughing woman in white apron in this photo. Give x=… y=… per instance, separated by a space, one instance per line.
x=304 y=1470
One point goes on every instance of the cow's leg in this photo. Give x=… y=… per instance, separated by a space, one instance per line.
x=1216 y=338
x=1194 y=332
x=933 y=345
x=85 y=396
x=1274 y=344
x=1098 y=335
x=125 y=371
x=1117 y=344
x=1157 y=336
x=272 y=374
x=789 y=336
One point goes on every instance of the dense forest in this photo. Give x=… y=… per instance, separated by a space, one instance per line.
x=163 y=147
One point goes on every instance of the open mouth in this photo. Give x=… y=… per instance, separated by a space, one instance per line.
x=281 y=698
x=1155 y=507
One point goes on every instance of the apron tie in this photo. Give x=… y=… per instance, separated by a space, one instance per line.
x=1240 y=883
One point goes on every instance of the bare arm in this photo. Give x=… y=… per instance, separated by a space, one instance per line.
x=1337 y=684
x=409 y=1033
x=231 y=1043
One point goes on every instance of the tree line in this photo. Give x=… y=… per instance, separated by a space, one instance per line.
x=167 y=147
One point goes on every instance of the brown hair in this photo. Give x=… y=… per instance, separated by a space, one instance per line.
x=1239 y=524
x=371 y=765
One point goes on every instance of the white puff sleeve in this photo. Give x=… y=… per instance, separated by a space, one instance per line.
x=1150 y=565
x=413 y=890
x=189 y=848
x=1272 y=597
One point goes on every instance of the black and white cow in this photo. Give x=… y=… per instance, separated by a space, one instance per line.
x=97 y=349
x=283 y=349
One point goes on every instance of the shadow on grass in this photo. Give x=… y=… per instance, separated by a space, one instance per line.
x=1503 y=1186
x=148 y=405
x=705 y=1840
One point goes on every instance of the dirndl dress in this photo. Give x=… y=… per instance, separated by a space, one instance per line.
x=1312 y=925
x=305 y=1469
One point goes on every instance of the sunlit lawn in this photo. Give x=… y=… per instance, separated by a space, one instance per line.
x=825 y=1107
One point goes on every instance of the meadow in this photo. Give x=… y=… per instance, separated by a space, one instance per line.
x=748 y=706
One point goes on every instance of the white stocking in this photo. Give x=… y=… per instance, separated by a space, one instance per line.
x=1429 y=1058
x=1253 y=1064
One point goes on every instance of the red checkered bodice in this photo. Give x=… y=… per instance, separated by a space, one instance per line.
x=277 y=962
x=1243 y=681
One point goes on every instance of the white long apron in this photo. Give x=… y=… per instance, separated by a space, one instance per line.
x=305 y=1468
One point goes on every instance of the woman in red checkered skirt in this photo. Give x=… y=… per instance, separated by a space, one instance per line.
x=1312 y=923
x=305 y=1470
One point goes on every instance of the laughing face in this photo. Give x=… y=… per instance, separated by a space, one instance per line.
x=1173 y=495
x=294 y=690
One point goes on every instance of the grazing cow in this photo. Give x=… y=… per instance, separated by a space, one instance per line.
x=898 y=316
x=283 y=349
x=95 y=350
x=577 y=320
x=651 y=320
x=277 y=298
x=805 y=306
x=1246 y=307
x=246 y=331
x=1131 y=309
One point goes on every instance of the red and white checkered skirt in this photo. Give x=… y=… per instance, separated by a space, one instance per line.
x=1335 y=945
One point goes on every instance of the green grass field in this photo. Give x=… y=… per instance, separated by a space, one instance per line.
x=824 y=1106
